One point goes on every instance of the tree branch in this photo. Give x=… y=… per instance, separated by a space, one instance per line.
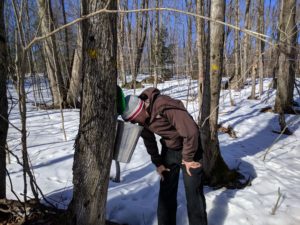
x=260 y=36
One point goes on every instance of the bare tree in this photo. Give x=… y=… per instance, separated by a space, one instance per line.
x=215 y=168
x=3 y=103
x=95 y=141
x=121 y=42
x=237 y=68
x=156 y=44
x=287 y=57
x=76 y=74
x=260 y=43
x=54 y=70
x=246 y=43
x=67 y=42
x=200 y=48
x=140 y=38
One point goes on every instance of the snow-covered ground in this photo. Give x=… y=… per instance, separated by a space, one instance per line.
x=133 y=201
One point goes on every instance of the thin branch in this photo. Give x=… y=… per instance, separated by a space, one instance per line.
x=10 y=123
x=11 y=186
x=260 y=36
x=275 y=141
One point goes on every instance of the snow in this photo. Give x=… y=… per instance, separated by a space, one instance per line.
x=134 y=200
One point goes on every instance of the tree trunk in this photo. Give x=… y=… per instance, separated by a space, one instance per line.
x=200 y=48
x=3 y=103
x=156 y=45
x=51 y=54
x=216 y=170
x=245 y=69
x=76 y=74
x=260 y=44
x=253 y=81
x=237 y=72
x=95 y=141
x=121 y=61
x=140 y=38
x=287 y=57
x=67 y=42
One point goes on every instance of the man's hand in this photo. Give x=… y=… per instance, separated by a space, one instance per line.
x=189 y=165
x=160 y=171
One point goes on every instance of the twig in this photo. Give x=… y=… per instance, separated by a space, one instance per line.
x=274 y=142
x=277 y=202
x=11 y=186
x=10 y=123
x=260 y=36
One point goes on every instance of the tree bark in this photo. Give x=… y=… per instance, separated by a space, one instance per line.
x=95 y=141
x=237 y=71
x=260 y=44
x=156 y=45
x=67 y=42
x=51 y=54
x=200 y=48
x=245 y=69
x=216 y=170
x=76 y=74
x=3 y=103
x=287 y=57
x=140 y=38
x=121 y=41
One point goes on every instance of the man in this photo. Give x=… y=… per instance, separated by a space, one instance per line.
x=181 y=148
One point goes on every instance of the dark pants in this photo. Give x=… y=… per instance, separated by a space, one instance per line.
x=167 y=202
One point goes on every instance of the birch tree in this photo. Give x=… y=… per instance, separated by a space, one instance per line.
x=95 y=140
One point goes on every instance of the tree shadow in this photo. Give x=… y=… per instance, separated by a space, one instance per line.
x=233 y=155
x=134 y=201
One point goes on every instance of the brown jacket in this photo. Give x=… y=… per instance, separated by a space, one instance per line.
x=170 y=120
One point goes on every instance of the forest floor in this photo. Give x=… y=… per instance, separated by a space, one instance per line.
x=272 y=199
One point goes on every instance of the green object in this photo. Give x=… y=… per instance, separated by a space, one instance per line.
x=120 y=101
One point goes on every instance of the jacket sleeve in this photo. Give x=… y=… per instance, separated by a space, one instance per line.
x=187 y=129
x=151 y=146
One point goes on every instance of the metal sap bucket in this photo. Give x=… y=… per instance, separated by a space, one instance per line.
x=127 y=136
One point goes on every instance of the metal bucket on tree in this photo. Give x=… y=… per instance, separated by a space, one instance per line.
x=126 y=139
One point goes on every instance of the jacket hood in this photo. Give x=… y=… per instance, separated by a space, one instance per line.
x=150 y=94
x=163 y=103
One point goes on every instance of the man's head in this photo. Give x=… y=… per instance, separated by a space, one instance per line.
x=135 y=111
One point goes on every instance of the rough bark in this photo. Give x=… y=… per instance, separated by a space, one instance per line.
x=95 y=141
x=287 y=57
x=51 y=54
x=3 y=103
